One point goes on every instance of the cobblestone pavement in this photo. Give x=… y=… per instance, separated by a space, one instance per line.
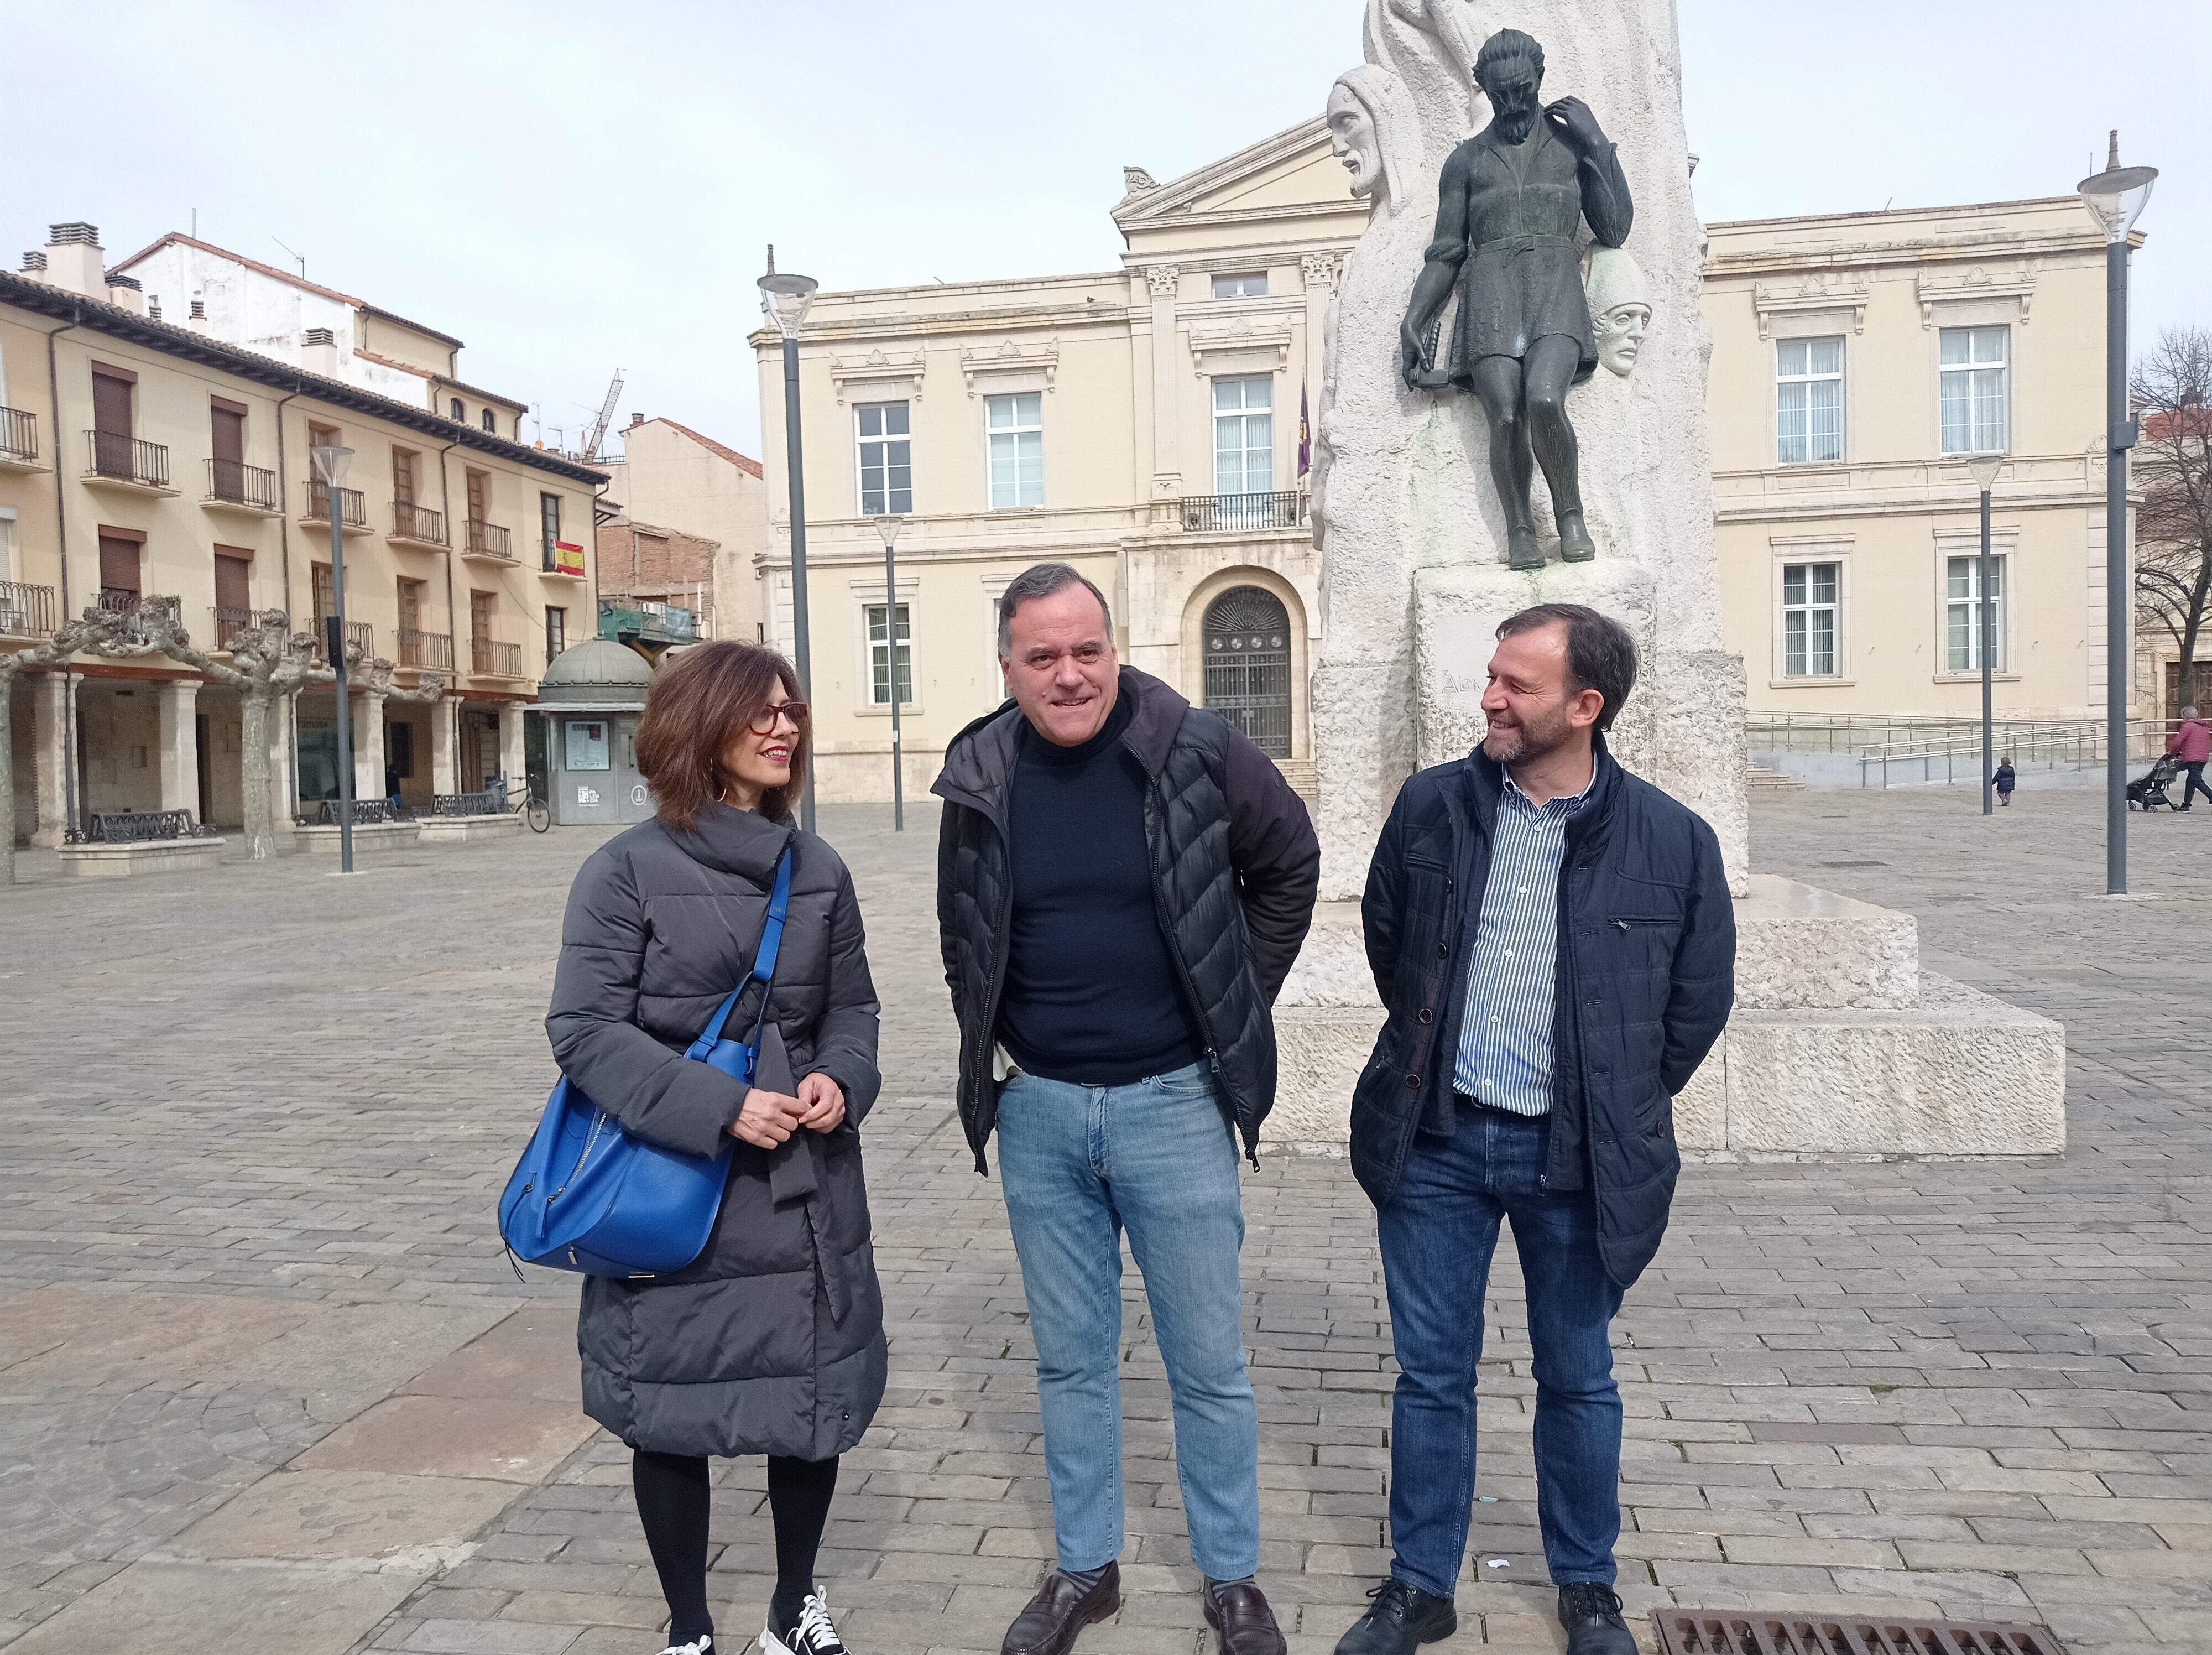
x=267 y=1383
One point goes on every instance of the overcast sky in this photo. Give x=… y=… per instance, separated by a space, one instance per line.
x=576 y=188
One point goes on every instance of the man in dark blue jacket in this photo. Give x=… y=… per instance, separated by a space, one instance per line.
x=1554 y=942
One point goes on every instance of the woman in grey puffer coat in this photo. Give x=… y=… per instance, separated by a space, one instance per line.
x=772 y=1342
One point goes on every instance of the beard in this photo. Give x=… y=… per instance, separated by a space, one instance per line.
x=1514 y=126
x=1531 y=739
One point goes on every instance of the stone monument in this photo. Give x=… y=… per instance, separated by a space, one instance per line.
x=1839 y=1043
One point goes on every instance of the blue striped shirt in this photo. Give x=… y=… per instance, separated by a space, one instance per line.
x=1505 y=1052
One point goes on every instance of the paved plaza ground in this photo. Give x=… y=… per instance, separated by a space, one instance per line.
x=267 y=1383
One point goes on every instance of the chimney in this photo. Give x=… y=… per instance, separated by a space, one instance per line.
x=74 y=260
x=153 y=307
x=635 y=420
x=34 y=263
x=318 y=352
x=126 y=292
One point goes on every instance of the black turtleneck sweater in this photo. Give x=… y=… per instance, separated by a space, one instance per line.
x=1092 y=995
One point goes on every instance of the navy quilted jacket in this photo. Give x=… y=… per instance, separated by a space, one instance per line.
x=1235 y=867
x=1646 y=979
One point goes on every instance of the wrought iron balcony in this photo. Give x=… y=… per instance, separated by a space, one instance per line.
x=413 y=522
x=487 y=540
x=1212 y=513
x=359 y=634
x=19 y=435
x=26 y=611
x=118 y=457
x=350 y=502
x=228 y=624
x=234 y=482
x=425 y=649
x=491 y=659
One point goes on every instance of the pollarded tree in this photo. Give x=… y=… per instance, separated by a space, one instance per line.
x=96 y=632
x=2172 y=393
x=268 y=663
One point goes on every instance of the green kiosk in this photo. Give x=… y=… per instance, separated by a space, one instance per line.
x=591 y=697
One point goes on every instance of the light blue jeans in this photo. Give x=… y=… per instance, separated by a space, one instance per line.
x=1079 y=1164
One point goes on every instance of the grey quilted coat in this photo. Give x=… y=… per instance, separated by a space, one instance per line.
x=772 y=1342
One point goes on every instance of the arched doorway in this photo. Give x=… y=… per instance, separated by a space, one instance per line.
x=1248 y=665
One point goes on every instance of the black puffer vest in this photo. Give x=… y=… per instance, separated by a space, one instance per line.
x=1234 y=866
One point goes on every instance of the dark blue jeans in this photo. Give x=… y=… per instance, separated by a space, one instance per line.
x=1437 y=1236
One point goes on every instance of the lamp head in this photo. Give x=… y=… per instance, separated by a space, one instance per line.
x=2116 y=195
x=1984 y=469
x=889 y=527
x=784 y=300
x=331 y=465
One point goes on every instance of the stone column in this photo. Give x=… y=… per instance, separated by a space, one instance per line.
x=1167 y=449
x=445 y=748
x=50 y=709
x=510 y=741
x=369 y=746
x=1319 y=270
x=176 y=700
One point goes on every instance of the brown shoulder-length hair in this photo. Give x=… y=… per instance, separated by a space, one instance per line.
x=694 y=710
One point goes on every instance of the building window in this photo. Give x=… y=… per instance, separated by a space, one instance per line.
x=1808 y=400
x=880 y=664
x=886 y=460
x=458 y=409
x=1243 y=435
x=556 y=631
x=399 y=750
x=549 y=518
x=1964 y=609
x=1251 y=284
x=1015 y=425
x=1808 y=619
x=490 y=424
x=1974 y=361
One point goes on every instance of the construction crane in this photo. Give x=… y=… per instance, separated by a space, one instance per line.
x=598 y=431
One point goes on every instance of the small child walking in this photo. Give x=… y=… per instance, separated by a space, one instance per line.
x=2004 y=779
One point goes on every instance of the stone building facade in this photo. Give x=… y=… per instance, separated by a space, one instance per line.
x=144 y=462
x=671 y=477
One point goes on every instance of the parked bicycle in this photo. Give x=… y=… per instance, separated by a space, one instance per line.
x=524 y=798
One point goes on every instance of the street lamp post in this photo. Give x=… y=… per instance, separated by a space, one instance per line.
x=2115 y=197
x=331 y=465
x=1984 y=469
x=785 y=299
x=889 y=527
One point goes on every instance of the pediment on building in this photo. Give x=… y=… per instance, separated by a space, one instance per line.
x=1290 y=173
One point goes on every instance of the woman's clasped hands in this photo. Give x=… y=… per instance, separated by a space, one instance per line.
x=768 y=1118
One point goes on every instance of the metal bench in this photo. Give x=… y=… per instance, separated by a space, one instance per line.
x=366 y=813
x=126 y=827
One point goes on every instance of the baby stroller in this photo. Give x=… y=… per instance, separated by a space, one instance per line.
x=2148 y=792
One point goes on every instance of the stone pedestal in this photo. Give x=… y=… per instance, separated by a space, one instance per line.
x=467 y=830
x=148 y=856
x=370 y=838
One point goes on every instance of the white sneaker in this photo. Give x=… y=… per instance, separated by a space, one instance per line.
x=701 y=1645
x=813 y=1635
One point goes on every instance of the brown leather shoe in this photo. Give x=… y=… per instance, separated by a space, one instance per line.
x=1239 y=1612
x=1048 y=1625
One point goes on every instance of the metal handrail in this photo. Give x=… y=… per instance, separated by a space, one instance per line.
x=125 y=458
x=361 y=633
x=492 y=658
x=228 y=624
x=412 y=522
x=420 y=648
x=26 y=611
x=1205 y=513
x=235 y=482
x=486 y=540
x=351 y=502
x=19 y=434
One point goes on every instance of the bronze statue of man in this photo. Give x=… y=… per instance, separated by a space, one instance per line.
x=1512 y=199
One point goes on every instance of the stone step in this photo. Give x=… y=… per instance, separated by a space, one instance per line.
x=1771 y=780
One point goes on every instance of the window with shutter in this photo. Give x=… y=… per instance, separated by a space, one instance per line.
x=111 y=404
x=118 y=563
x=226 y=433
x=234 y=585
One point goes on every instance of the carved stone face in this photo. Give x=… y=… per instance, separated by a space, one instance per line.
x=1352 y=139
x=1515 y=88
x=1619 y=333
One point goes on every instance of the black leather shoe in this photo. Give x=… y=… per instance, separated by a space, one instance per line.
x=1048 y=1625
x=1400 y=1618
x=1239 y=1612
x=1590 y=1611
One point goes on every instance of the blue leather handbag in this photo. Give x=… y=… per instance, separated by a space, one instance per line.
x=591 y=1197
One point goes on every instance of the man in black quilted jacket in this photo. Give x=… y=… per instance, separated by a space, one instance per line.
x=1554 y=943
x=1123 y=881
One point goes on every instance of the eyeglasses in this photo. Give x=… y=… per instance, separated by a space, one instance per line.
x=764 y=722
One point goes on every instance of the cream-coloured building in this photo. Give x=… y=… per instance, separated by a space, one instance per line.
x=1141 y=423
x=675 y=478
x=146 y=462
x=1857 y=360
x=1145 y=425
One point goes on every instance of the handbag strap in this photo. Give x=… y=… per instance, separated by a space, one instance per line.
x=764 y=958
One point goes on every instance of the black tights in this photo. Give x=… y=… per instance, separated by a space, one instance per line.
x=672 y=1503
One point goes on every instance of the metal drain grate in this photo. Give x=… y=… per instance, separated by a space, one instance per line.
x=1761 y=1632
